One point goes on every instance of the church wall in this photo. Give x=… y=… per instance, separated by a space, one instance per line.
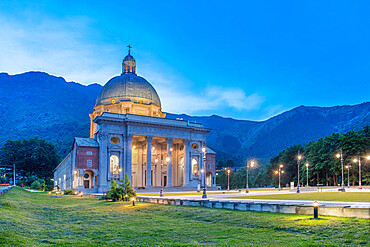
x=83 y=155
x=63 y=173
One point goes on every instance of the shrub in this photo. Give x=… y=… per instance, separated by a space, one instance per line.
x=38 y=184
x=69 y=192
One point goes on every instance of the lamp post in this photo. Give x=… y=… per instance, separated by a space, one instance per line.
x=228 y=179
x=204 y=171
x=359 y=170
x=298 y=161
x=251 y=165
x=307 y=165
x=279 y=172
x=315 y=210
x=340 y=155
x=347 y=167
x=14 y=174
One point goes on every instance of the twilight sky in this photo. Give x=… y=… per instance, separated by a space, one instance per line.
x=242 y=59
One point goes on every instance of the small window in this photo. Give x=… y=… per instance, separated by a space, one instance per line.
x=89 y=153
x=89 y=163
x=194 y=146
x=114 y=139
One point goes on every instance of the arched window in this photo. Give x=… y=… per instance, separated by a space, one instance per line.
x=114 y=165
x=194 y=167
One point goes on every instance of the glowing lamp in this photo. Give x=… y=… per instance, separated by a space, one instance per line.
x=156 y=160
x=202 y=170
x=133 y=147
x=252 y=163
x=167 y=159
x=281 y=165
x=368 y=157
x=338 y=155
x=120 y=170
x=276 y=172
x=307 y=164
x=133 y=201
x=315 y=210
x=299 y=157
x=228 y=171
x=203 y=149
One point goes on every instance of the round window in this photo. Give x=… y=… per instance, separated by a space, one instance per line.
x=86 y=175
x=194 y=146
x=114 y=139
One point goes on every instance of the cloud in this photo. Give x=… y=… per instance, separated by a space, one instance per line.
x=56 y=47
x=178 y=96
x=66 y=48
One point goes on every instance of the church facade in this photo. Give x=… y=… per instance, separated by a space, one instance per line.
x=129 y=134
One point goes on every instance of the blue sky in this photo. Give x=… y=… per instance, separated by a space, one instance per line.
x=240 y=59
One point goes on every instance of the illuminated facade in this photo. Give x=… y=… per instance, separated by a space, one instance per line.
x=129 y=134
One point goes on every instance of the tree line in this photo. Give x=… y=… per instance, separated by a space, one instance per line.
x=34 y=159
x=323 y=165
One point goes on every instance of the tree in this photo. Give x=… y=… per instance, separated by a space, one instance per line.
x=119 y=192
x=126 y=189
x=32 y=157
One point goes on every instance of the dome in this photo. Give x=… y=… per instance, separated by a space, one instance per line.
x=129 y=87
x=129 y=58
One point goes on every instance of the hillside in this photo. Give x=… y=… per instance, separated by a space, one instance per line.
x=38 y=104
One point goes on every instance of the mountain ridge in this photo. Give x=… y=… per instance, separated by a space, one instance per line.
x=38 y=104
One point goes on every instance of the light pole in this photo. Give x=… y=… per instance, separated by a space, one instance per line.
x=299 y=160
x=307 y=165
x=347 y=167
x=14 y=174
x=359 y=169
x=340 y=155
x=279 y=172
x=228 y=179
x=204 y=171
x=247 y=186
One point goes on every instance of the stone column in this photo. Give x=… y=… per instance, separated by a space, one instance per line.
x=169 y=164
x=187 y=164
x=104 y=164
x=149 y=161
x=128 y=151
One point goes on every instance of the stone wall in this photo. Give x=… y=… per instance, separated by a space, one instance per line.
x=284 y=208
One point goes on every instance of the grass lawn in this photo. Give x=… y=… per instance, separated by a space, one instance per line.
x=36 y=219
x=316 y=196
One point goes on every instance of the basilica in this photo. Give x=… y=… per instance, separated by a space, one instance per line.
x=129 y=134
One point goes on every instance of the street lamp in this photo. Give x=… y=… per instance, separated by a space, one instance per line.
x=228 y=179
x=279 y=172
x=298 y=161
x=204 y=175
x=307 y=165
x=347 y=167
x=340 y=155
x=359 y=169
x=251 y=165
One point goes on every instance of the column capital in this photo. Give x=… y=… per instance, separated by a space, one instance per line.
x=149 y=138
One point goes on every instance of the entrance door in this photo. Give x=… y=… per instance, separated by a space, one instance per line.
x=164 y=181
x=87 y=184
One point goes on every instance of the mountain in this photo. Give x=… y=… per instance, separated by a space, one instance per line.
x=39 y=104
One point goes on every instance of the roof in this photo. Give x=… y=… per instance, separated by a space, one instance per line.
x=126 y=87
x=210 y=151
x=86 y=142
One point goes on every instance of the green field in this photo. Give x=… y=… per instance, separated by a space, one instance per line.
x=316 y=196
x=36 y=219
